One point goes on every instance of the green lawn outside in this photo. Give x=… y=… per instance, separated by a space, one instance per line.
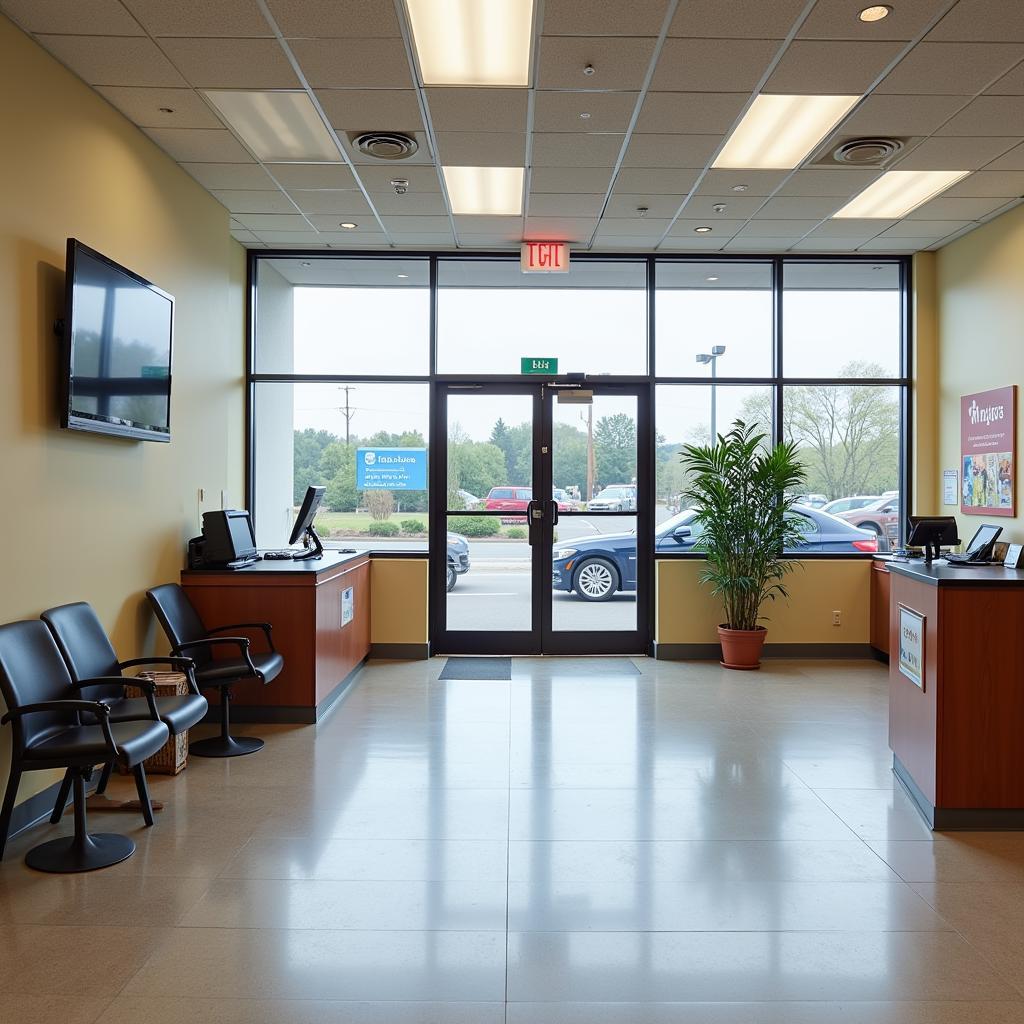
x=354 y=524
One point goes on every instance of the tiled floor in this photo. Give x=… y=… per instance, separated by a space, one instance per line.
x=576 y=846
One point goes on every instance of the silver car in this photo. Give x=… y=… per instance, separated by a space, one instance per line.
x=615 y=498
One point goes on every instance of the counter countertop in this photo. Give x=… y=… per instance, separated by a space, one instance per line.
x=939 y=574
x=288 y=567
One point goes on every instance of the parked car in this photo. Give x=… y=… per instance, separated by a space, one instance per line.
x=566 y=503
x=469 y=501
x=813 y=500
x=839 y=505
x=881 y=516
x=614 y=498
x=458 y=558
x=515 y=499
x=594 y=568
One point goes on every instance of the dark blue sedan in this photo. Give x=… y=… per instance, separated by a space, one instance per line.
x=595 y=567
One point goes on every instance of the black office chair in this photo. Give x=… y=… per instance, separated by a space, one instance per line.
x=55 y=728
x=188 y=636
x=88 y=653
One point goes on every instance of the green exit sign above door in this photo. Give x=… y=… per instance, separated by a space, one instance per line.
x=549 y=367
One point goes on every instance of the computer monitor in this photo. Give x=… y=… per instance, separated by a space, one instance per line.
x=304 y=524
x=980 y=547
x=932 y=533
x=228 y=538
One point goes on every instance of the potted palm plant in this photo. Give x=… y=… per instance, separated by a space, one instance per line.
x=743 y=491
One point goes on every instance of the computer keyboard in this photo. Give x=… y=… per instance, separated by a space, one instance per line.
x=277 y=555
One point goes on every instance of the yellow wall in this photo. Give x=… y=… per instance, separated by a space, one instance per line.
x=686 y=613
x=926 y=482
x=86 y=517
x=980 y=301
x=398 y=601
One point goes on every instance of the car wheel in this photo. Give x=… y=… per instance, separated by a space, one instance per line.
x=596 y=580
x=452 y=577
x=873 y=527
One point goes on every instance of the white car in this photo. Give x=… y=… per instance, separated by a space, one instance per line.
x=615 y=498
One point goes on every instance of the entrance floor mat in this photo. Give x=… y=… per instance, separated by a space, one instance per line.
x=477 y=668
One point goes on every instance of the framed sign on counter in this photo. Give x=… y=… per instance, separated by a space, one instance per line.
x=988 y=451
x=911 y=641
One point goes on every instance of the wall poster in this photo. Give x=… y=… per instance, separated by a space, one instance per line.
x=911 y=656
x=988 y=450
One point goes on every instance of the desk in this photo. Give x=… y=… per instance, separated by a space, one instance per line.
x=958 y=742
x=303 y=602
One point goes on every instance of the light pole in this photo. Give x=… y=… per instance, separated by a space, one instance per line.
x=712 y=358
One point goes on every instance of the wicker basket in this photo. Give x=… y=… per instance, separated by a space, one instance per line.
x=172 y=757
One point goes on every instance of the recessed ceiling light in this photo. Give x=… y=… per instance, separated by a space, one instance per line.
x=875 y=13
x=494 y=191
x=281 y=127
x=702 y=230
x=710 y=278
x=166 y=110
x=740 y=188
x=305 y=263
x=348 y=225
x=403 y=276
x=465 y=42
x=896 y=193
x=777 y=132
x=585 y=116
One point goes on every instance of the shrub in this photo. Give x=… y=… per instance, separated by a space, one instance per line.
x=380 y=504
x=382 y=529
x=516 y=533
x=411 y=526
x=476 y=526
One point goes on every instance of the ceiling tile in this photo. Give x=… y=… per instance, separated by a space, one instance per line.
x=398 y=226
x=104 y=60
x=232 y=63
x=490 y=240
x=946 y=208
x=432 y=239
x=618 y=243
x=88 y=17
x=951 y=69
x=421 y=156
x=1013 y=160
x=340 y=201
x=852 y=227
x=729 y=19
x=567 y=149
x=983 y=184
x=313 y=175
x=693 y=243
x=758 y=183
x=883 y=244
x=481 y=149
x=560 y=111
x=988 y=115
x=753 y=244
x=800 y=207
x=253 y=200
x=1011 y=84
x=777 y=228
x=982 y=20
x=419 y=203
x=600 y=18
x=838 y=19
x=570 y=179
x=230 y=176
x=954 y=154
x=143 y=107
x=560 y=229
x=478 y=110
x=353 y=63
x=263 y=222
x=312 y=19
x=331 y=222
x=378 y=177
x=367 y=234
x=671 y=150
x=703 y=205
x=810 y=66
x=243 y=236
x=371 y=109
x=227 y=18
x=571 y=204
x=651 y=228
x=730 y=65
x=199 y=144
x=838 y=181
x=813 y=244
x=934 y=229
x=694 y=113
x=619 y=64
x=290 y=237
x=483 y=225
x=720 y=228
x=901 y=115
x=623 y=205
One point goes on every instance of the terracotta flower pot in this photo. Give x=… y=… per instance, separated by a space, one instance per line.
x=741 y=648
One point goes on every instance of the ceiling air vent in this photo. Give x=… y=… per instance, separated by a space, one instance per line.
x=386 y=145
x=866 y=152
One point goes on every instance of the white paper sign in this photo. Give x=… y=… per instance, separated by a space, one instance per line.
x=911 y=642
x=347 y=606
x=950 y=490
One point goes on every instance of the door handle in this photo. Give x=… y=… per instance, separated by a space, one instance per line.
x=554 y=512
x=534 y=515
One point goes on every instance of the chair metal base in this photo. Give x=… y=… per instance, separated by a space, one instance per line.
x=225 y=746
x=80 y=853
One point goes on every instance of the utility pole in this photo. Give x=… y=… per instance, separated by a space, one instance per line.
x=712 y=357
x=348 y=412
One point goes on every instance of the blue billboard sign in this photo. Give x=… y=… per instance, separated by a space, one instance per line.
x=391 y=469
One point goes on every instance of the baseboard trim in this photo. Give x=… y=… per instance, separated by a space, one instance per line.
x=339 y=693
x=712 y=652
x=37 y=809
x=400 y=652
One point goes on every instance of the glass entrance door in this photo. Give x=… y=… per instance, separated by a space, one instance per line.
x=539 y=496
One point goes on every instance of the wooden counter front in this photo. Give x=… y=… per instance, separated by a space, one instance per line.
x=958 y=743
x=303 y=602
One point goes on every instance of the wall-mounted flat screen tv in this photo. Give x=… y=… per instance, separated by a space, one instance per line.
x=116 y=374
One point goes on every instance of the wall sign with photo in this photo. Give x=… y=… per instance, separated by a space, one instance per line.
x=911 y=646
x=988 y=451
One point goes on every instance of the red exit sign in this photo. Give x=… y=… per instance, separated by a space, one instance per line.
x=544 y=257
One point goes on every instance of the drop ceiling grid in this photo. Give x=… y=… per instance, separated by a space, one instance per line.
x=977 y=95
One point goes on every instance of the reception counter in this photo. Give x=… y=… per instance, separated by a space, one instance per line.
x=320 y=613
x=956 y=692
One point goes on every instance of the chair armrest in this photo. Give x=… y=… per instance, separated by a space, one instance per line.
x=185 y=665
x=147 y=686
x=93 y=707
x=265 y=626
x=241 y=642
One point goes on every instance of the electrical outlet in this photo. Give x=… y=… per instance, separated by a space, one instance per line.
x=837 y=618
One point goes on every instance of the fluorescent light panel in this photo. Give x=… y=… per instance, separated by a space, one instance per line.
x=777 y=132
x=281 y=127
x=472 y=42
x=896 y=193
x=496 y=191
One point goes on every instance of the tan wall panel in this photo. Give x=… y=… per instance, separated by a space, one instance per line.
x=398 y=601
